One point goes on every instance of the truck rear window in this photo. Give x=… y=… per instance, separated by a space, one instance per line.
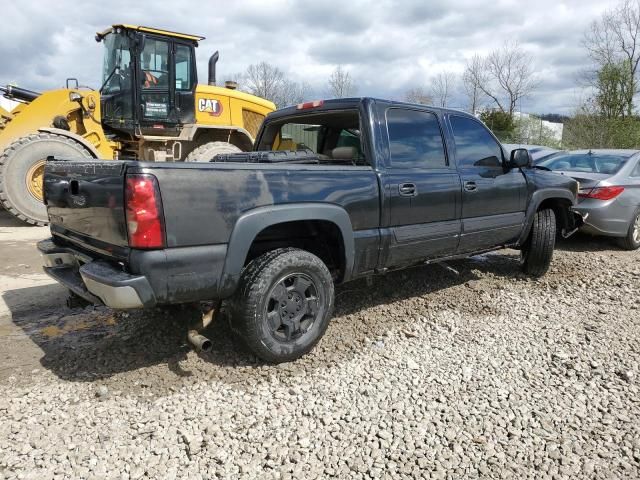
x=334 y=136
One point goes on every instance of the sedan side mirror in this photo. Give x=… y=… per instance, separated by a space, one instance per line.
x=520 y=158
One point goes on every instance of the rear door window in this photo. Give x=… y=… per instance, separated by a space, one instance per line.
x=415 y=139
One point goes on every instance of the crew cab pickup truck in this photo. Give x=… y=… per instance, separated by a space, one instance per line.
x=334 y=191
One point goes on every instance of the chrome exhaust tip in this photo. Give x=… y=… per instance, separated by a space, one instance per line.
x=199 y=342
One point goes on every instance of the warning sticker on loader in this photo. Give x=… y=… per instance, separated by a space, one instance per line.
x=155 y=110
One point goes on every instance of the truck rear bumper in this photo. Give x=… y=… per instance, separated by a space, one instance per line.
x=94 y=280
x=153 y=277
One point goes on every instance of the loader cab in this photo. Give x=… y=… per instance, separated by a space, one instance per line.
x=149 y=80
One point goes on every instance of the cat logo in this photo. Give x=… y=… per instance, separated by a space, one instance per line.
x=211 y=106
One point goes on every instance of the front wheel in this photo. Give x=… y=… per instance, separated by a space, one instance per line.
x=283 y=304
x=537 y=252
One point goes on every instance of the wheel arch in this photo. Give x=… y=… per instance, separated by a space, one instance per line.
x=252 y=223
x=202 y=134
x=560 y=200
x=73 y=136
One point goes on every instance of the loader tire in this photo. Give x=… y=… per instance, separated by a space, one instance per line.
x=537 y=252
x=22 y=168
x=206 y=152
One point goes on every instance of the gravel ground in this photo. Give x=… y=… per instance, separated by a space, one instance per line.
x=427 y=373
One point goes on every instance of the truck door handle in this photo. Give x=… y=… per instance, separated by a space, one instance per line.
x=407 y=189
x=470 y=186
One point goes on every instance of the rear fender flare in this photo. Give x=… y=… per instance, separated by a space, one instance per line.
x=534 y=203
x=252 y=222
x=73 y=136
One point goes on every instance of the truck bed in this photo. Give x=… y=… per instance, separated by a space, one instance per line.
x=201 y=205
x=201 y=201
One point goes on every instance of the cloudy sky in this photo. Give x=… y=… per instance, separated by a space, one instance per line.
x=387 y=46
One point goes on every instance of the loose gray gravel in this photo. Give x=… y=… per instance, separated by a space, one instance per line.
x=428 y=373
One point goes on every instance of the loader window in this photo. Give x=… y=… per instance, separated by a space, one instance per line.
x=116 y=71
x=183 y=67
x=155 y=62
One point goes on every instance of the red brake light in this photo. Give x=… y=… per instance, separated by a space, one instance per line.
x=308 y=105
x=144 y=212
x=601 y=193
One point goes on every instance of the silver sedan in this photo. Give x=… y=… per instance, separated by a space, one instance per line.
x=609 y=190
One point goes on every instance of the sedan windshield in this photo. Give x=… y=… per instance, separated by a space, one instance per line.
x=585 y=162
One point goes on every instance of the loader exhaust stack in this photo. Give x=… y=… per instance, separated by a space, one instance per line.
x=212 y=67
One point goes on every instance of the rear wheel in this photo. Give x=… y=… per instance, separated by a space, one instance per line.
x=283 y=304
x=537 y=252
x=632 y=240
x=206 y=152
x=22 y=170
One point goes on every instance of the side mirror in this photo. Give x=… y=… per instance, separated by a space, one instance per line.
x=520 y=158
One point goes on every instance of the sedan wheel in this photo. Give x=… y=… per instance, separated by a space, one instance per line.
x=632 y=240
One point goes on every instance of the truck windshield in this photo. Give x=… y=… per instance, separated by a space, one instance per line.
x=332 y=135
x=117 y=68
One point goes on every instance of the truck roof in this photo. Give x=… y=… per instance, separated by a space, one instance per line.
x=352 y=102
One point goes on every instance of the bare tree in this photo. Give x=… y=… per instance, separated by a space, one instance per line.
x=471 y=83
x=505 y=76
x=341 y=84
x=293 y=93
x=264 y=80
x=418 y=95
x=614 y=40
x=268 y=81
x=442 y=88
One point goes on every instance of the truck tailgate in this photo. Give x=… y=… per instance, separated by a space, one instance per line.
x=85 y=202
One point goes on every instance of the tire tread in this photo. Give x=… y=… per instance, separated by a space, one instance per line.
x=255 y=280
x=539 y=248
x=6 y=155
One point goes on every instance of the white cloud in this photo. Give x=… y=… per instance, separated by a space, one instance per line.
x=388 y=46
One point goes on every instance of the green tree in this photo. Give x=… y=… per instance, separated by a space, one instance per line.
x=501 y=124
x=613 y=84
x=613 y=42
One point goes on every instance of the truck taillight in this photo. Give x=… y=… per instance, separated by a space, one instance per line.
x=601 y=193
x=144 y=212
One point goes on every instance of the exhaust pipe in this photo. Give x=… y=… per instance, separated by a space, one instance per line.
x=212 y=67
x=199 y=342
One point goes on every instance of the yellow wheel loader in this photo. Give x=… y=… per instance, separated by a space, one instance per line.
x=150 y=107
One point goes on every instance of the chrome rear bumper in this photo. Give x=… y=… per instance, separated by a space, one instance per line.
x=97 y=281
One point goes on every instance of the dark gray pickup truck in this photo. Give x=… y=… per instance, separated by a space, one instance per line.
x=335 y=191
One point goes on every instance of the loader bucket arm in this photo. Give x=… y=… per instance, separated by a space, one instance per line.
x=21 y=94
